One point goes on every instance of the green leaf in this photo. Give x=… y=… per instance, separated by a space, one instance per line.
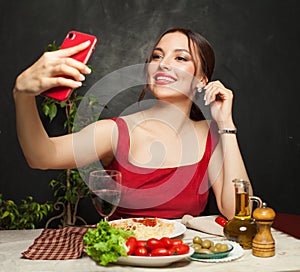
x=52 y=47
x=63 y=104
x=23 y=215
x=105 y=243
x=52 y=111
x=45 y=109
x=5 y=214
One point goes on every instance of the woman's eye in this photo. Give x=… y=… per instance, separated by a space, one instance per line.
x=156 y=56
x=182 y=58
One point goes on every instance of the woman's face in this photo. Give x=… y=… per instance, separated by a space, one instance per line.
x=171 y=69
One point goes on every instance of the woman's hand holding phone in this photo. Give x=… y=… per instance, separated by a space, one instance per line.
x=57 y=73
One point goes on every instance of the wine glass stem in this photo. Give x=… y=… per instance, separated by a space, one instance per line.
x=105 y=218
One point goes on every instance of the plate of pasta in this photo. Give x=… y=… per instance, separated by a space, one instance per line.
x=145 y=228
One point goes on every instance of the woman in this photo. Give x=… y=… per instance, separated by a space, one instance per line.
x=167 y=153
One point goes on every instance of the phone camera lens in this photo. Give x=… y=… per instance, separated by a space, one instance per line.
x=71 y=36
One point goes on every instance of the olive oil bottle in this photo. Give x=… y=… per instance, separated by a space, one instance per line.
x=242 y=227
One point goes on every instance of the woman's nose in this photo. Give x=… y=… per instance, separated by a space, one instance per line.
x=165 y=64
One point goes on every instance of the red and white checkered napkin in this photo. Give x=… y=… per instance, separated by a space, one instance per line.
x=57 y=244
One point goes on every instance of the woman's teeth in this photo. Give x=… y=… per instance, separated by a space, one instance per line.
x=163 y=78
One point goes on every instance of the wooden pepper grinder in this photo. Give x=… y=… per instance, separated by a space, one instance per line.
x=263 y=244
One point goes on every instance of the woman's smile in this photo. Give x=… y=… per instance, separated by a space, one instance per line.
x=164 y=79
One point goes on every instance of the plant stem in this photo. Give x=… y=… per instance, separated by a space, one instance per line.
x=69 y=206
x=70 y=215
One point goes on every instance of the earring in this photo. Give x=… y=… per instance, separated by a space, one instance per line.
x=200 y=88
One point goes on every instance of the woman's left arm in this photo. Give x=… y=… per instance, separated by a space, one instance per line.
x=226 y=163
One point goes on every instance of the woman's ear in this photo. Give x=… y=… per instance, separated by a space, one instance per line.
x=204 y=80
x=201 y=84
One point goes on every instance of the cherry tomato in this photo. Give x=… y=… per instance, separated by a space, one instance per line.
x=172 y=251
x=167 y=242
x=179 y=250
x=154 y=243
x=221 y=221
x=160 y=252
x=141 y=243
x=141 y=251
x=131 y=245
x=176 y=242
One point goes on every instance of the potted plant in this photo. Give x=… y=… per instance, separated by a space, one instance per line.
x=24 y=215
x=69 y=188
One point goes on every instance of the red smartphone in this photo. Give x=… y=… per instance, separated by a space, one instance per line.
x=73 y=38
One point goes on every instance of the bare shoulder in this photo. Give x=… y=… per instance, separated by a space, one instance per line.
x=110 y=125
x=106 y=138
x=107 y=123
x=134 y=117
x=105 y=130
x=133 y=120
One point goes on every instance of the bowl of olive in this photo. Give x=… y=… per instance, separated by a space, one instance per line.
x=207 y=249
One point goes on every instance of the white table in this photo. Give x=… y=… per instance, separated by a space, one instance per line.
x=13 y=242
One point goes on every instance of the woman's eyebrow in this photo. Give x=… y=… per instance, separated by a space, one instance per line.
x=158 y=49
x=182 y=50
x=176 y=50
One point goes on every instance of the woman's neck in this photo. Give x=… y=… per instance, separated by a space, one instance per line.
x=173 y=114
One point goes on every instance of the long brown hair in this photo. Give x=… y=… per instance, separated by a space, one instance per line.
x=207 y=62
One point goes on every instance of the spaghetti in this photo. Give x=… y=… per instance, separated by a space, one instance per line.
x=145 y=228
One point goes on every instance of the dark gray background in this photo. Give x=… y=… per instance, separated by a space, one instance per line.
x=257 y=56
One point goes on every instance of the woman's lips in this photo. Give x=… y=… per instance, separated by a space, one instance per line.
x=164 y=79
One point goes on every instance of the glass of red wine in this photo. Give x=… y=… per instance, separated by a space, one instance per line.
x=105 y=187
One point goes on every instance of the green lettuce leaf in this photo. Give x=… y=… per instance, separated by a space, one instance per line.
x=106 y=244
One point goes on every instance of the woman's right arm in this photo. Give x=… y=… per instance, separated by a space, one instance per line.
x=40 y=150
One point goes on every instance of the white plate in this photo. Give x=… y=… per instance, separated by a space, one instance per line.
x=153 y=261
x=236 y=253
x=178 y=227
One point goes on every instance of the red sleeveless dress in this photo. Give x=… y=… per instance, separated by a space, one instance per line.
x=164 y=192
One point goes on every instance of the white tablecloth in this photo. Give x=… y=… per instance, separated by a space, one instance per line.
x=13 y=242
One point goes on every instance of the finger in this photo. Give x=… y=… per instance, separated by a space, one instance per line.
x=211 y=95
x=61 y=81
x=66 y=52
x=217 y=93
x=208 y=90
x=215 y=83
x=212 y=85
x=50 y=59
x=84 y=69
x=67 y=71
x=49 y=83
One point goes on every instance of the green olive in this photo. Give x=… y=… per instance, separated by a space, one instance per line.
x=204 y=250
x=223 y=247
x=212 y=248
x=216 y=250
x=218 y=245
x=196 y=247
x=206 y=244
x=197 y=240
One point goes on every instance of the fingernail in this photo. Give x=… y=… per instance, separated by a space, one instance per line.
x=87 y=42
x=78 y=83
x=88 y=70
x=81 y=77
